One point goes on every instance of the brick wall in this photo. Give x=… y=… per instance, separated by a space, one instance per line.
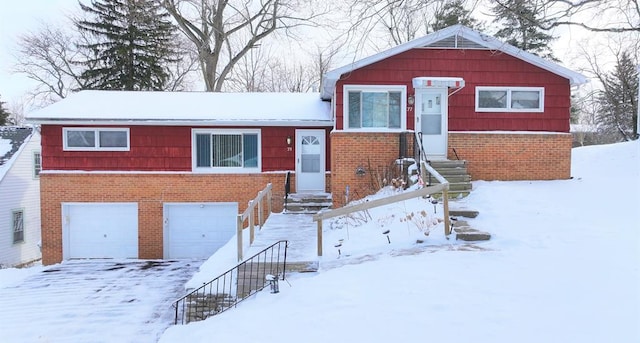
x=514 y=156
x=150 y=191
x=373 y=152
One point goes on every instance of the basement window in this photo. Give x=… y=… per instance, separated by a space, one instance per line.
x=95 y=139
x=509 y=99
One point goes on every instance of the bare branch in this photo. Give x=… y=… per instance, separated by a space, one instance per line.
x=224 y=31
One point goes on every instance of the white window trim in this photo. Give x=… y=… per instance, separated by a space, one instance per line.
x=375 y=88
x=36 y=175
x=508 y=108
x=225 y=170
x=96 y=147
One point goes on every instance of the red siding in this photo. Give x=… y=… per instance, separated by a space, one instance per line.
x=477 y=68
x=159 y=148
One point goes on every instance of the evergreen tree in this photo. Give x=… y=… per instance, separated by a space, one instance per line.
x=453 y=12
x=132 y=45
x=521 y=26
x=4 y=115
x=618 y=100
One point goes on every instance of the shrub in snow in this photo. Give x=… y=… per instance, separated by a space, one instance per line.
x=421 y=220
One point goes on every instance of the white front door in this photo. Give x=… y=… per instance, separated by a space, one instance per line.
x=431 y=121
x=310 y=161
x=99 y=230
x=197 y=230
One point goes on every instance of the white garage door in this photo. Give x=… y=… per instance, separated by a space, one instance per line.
x=197 y=230
x=100 y=230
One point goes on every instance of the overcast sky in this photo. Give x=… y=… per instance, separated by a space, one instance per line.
x=20 y=16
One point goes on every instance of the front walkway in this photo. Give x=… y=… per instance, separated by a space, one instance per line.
x=94 y=301
x=299 y=229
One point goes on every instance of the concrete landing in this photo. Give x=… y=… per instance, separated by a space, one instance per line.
x=301 y=232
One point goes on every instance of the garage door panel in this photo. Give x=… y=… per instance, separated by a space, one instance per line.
x=197 y=230
x=100 y=230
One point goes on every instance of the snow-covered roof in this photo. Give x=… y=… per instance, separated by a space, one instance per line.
x=187 y=108
x=12 y=139
x=474 y=39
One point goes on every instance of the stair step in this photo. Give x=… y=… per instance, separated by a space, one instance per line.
x=307 y=203
x=453 y=178
x=451 y=171
x=448 y=164
x=463 y=213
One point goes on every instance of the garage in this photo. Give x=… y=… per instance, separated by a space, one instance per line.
x=197 y=230
x=100 y=230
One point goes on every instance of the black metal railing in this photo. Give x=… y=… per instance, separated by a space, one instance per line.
x=420 y=154
x=233 y=286
x=287 y=188
x=456 y=153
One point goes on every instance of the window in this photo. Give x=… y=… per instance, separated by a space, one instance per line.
x=106 y=139
x=226 y=150
x=509 y=99
x=374 y=107
x=17 y=220
x=37 y=164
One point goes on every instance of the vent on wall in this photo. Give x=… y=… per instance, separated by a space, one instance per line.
x=456 y=42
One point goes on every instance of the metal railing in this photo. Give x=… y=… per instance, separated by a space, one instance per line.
x=421 y=156
x=233 y=286
x=287 y=188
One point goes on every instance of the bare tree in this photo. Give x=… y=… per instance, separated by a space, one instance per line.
x=385 y=23
x=49 y=56
x=593 y=15
x=16 y=108
x=615 y=96
x=183 y=71
x=223 y=31
x=262 y=71
x=251 y=72
x=404 y=20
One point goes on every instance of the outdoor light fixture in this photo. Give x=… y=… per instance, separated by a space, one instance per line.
x=273 y=283
x=289 y=140
x=411 y=99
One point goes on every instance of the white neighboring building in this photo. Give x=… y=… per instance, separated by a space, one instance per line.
x=20 y=165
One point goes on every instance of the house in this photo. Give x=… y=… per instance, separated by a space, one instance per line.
x=20 y=164
x=136 y=174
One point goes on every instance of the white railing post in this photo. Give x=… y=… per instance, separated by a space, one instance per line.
x=320 y=237
x=239 y=223
x=260 y=219
x=251 y=222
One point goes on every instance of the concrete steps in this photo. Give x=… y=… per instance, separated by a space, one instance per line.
x=298 y=203
x=455 y=171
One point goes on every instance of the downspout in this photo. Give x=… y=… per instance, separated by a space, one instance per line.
x=638 y=105
x=456 y=91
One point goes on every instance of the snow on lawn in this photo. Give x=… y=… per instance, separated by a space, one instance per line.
x=562 y=266
x=11 y=277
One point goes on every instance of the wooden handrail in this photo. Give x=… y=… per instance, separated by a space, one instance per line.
x=249 y=214
x=443 y=188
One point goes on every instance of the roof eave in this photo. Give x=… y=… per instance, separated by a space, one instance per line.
x=162 y=122
x=332 y=77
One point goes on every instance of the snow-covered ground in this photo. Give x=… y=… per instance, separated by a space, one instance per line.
x=562 y=266
x=90 y=301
